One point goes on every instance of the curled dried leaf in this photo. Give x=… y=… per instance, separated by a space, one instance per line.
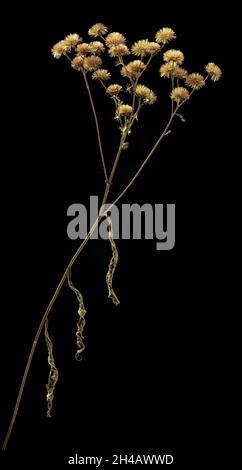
x=53 y=374
x=112 y=265
x=81 y=319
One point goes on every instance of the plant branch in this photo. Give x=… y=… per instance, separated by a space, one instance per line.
x=39 y=331
x=163 y=134
x=75 y=256
x=55 y=295
x=96 y=124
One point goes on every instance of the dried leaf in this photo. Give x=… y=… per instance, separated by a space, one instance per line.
x=53 y=374
x=112 y=265
x=81 y=320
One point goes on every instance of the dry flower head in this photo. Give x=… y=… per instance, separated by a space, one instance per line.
x=114 y=39
x=65 y=46
x=98 y=30
x=96 y=47
x=173 y=55
x=195 y=81
x=72 y=39
x=179 y=72
x=124 y=109
x=145 y=47
x=92 y=62
x=77 y=62
x=118 y=51
x=179 y=94
x=101 y=74
x=132 y=69
x=146 y=94
x=213 y=71
x=165 y=35
x=59 y=49
x=114 y=89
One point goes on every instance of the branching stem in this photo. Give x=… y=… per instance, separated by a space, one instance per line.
x=83 y=244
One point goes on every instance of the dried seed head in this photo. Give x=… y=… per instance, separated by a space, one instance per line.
x=179 y=94
x=101 y=74
x=60 y=48
x=165 y=35
x=195 y=81
x=92 y=62
x=171 y=69
x=72 y=39
x=146 y=94
x=173 y=55
x=118 y=51
x=114 y=89
x=124 y=109
x=153 y=48
x=167 y=69
x=64 y=46
x=114 y=39
x=97 y=30
x=96 y=47
x=144 y=47
x=214 y=71
x=132 y=69
x=83 y=48
x=179 y=72
x=77 y=62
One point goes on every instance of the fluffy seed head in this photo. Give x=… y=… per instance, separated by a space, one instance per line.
x=179 y=94
x=146 y=94
x=96 y=47
x=77 y=62
x=83 y=48
x=174 y=56
x=118 y=51
x=124 y=109
x=165 y=35
x=114 y=39
x=171 y=69
x=214 y=71
x=101 y=74
x=92 y=62
x=144 y=47
x=179 y=72
x=59 y=49
x=97 y=30
x=195 y=81
x=167 y=69
x=132 y=69
x=113 y=89
x=72 y=39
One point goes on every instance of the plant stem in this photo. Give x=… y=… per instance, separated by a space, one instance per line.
x=40 y=328
x=56 y=293
x=172 y=88
x=163 y=134
x=76 y=255
x=97 y=125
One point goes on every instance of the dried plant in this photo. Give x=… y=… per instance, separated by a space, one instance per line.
x=129 y=96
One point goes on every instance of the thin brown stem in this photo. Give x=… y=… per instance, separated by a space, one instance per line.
x=172 y=88
x=163 y=134
x=72 y=261
x=96 y=124
x=39 y=331
x=55 y=295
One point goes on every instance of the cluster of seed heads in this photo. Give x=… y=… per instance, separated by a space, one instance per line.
x=88 y=58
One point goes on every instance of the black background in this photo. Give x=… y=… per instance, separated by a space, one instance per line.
x=160 y=372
